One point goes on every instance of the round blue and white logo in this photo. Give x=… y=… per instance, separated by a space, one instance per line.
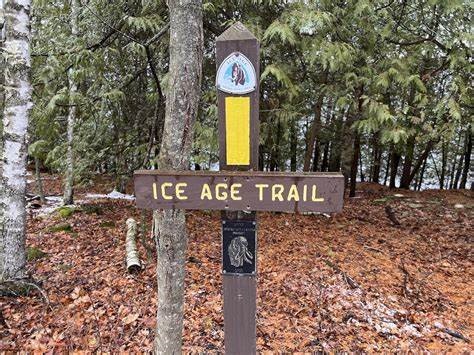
x=236 y=75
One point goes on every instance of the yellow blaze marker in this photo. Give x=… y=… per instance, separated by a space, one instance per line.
x=237 y=130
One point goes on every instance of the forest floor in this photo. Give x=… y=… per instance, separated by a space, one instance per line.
x=355 y=281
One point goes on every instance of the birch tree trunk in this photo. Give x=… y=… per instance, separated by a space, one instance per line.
x=2 y=76
x=68 y=198
x=15 y=126
x=182 y=100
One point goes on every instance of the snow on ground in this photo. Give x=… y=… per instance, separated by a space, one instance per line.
x=114 y=195
x=55 y=202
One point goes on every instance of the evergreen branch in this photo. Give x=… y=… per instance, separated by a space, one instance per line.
x=110 y=26
x=92 y=47
x=123 y=86
x=158 y=35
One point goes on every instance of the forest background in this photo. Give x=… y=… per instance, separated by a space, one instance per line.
x=378 y=89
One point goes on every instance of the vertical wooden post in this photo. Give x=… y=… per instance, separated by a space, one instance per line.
x=237 y=53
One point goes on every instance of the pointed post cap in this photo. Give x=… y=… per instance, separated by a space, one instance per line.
x=236 y=32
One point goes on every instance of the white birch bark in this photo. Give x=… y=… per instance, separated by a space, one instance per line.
x=133 y=259
x=182 y=100
x=2 y=77
x=68 y=198
x=15 y=126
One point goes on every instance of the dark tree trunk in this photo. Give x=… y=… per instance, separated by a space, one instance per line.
x=387 y=169
x=316 y=157
x=444 y=159
x=293 y=146
x=275 y=152
x=355 y=160
x=361 y=167
x=407 y=164
x=261 y=157
x=336 y=145
x=395 y=161
x=313 y=134
x=376 y=158
x=324 y=163
x=422 y=173
x=467 y=158
x=356 y=148
x=459 y=167
x=420 y=161
x=454 y=163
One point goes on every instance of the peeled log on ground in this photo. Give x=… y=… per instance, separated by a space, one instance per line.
x=133 y=259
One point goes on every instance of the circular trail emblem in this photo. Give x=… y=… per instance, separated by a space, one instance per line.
x=236 y=75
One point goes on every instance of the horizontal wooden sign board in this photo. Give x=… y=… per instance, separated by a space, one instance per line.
x=237 y=191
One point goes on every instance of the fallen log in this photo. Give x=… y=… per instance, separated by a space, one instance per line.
x=132 y=257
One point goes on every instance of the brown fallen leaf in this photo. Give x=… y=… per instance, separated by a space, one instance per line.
x=132 y=317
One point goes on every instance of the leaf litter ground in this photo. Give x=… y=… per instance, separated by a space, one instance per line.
x=355 y=281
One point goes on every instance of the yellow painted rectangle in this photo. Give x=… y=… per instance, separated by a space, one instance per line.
x=237 y=130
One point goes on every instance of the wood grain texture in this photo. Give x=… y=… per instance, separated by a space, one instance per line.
x=239 y=291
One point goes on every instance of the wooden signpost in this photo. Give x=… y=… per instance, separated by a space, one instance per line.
x=238 y=190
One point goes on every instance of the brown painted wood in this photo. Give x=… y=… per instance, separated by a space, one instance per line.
x=238 y=39
x=184 y=190
x=240 y=292
x=239 y=314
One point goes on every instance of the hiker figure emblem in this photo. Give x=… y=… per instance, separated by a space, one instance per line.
x=236 y=75
x=238 y=252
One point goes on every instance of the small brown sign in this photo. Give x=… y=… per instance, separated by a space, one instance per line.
x=237 y=191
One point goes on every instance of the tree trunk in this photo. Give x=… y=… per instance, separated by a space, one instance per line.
x=407 y=164
x=467 y=158
x=336 y=145
x=315 y=128
x=68 y=198
x=376 y=158
x=2 y=76
x=182 y=100
x=444 y=159
x=355 y=159
x=324 y=163
x=316 y=156
x=356 y=149
x=293 y=145
x=17 y=108
x=395 y=161
x=459 y=168
x=39 y=182
x=276 y=152
x=422 y=173
x=420 y=161
x=387 y=169
x=454 y=161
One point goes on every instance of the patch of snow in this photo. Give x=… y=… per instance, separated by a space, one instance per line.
x=115 y=195
x=54 y=198
x=458 y=205
x=51 y=205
